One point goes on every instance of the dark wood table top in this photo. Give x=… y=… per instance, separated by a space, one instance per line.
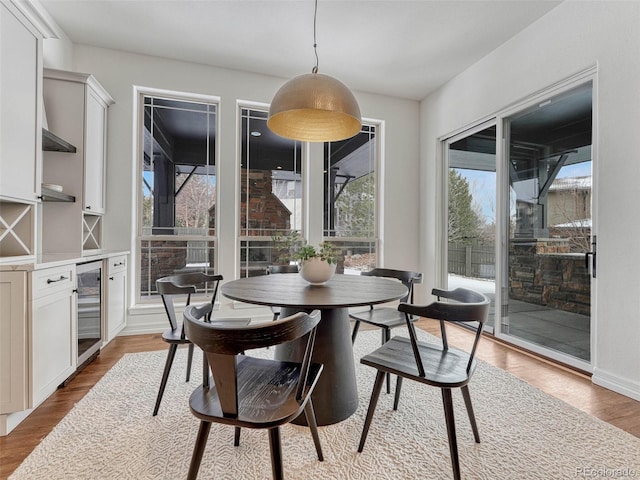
x=290 y=290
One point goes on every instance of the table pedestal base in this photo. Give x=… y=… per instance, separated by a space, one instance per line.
x=335 y=397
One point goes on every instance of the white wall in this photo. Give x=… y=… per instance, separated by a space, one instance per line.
x=119 y=71
x=569 y=39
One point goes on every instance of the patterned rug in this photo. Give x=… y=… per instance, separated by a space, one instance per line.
x=526 y=434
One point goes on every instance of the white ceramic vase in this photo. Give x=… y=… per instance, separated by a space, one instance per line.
x=317 y=271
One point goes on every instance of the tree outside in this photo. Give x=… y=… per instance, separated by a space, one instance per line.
x=193 y=202
x=355 y=208
x=466 y=223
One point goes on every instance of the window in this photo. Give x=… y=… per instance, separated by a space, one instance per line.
x=350 y=184
x=270 y=192
x=178 y=188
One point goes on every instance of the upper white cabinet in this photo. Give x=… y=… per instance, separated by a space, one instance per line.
x=20 y=138
x=20 y=87
x=76 y=106
x=95 y=145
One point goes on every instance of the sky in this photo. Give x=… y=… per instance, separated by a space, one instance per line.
x=482 y=185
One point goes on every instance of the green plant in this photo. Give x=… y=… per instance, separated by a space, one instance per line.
x=325 y=251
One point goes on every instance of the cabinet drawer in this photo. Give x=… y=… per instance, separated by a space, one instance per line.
x=117 y=264
x=52 y=280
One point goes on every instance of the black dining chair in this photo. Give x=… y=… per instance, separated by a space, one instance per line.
x=271 y=269
x=433 y=364
x=181 y=286
x=387 y=318
x=250 y=392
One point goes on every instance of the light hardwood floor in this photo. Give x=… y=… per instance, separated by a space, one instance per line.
x=574 y=388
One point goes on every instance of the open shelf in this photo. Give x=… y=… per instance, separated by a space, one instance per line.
x=91 y=232
x=16 y=229
x=48 y=195
x=53 y=143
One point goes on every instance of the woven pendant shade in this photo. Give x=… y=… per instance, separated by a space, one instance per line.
x=314 y=108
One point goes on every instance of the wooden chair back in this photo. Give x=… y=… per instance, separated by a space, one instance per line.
x=408 y=278
x=223 y=342
x=465 y=306
x=183 y=284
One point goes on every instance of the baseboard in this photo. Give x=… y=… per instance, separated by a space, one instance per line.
x=142 y=321
x=10 y=421
x=623 y=386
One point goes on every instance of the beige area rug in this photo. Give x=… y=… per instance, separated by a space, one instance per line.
x=110 y=434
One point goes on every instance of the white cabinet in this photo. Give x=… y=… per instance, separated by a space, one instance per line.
x=53 y=347
x=20 y=138
x=76 y=106
x=37 y=335
x=95 y=149
x=20 y=90
x=116 y=296
x=42 y=340
x=14 y=364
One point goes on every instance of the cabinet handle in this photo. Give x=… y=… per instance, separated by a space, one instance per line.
x=62 y=277
x=110 y=278
x=118 y=264
x=88 y=207
x=75 y=290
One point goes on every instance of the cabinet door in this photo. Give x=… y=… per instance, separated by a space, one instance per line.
x=19 y=91
x=95 y=133
x=53 y=344
x=14 y=394
x=116 y=303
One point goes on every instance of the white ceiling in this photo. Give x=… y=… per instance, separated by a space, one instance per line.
x=396 y=47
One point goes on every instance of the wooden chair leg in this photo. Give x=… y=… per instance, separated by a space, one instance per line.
x=447 y=400
x=236 y=437
x=165 y=375
x=472 y=418
x=354 y=333
x=313 y=425
x=375 y=394
x=205 y=370
x=189 y=361
x=396 y=399
x=198 y=450
x=276 y=453
x=386 y=336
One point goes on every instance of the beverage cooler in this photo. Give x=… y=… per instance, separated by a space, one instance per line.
x=89 y=276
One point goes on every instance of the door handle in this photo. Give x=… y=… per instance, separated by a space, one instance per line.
x=586 y=261
x=62 y=277
x=592 y=253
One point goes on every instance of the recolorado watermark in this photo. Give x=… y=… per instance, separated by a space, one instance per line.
x=607 y=472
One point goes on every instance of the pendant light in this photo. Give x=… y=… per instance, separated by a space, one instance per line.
x=314 y=107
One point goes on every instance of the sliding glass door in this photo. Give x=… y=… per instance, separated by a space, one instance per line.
x=519 y=222
x=471 y=212
x=549 y=152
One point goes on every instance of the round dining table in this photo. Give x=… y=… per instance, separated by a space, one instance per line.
x=335 y=397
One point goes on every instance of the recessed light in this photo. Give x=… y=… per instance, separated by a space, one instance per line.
x=279 y=167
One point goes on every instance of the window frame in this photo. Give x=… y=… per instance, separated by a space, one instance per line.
x=378 y=133
x=302 y=161
x=138 y=239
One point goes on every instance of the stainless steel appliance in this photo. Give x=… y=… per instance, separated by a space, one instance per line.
x=89 y=276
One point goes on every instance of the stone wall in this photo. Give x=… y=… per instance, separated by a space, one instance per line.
x=267 y=214
x=159 y=259
x=543 y=272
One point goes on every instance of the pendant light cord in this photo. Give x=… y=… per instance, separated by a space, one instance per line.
x=315 y=43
